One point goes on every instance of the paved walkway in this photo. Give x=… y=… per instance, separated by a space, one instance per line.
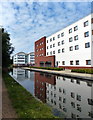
x=7 y=109
x=67 y=73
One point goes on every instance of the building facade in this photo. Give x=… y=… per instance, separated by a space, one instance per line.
x=72 y=46
x=22 y=59
x=41 y=60
x=31 y=58
x=19 y=59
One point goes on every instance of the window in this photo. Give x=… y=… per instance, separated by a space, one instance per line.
x=60 y=99
x=47 y=53
x=92 y=20
x=63 y=62
x=53 y=52
x=54 y=102
x=73 y=104
x=86 y=34
x=62 y=34
x=60 y=106
x=58 y=50
x=50 y=39
x=53 y=45
x=75 y=28
x=53 y=38
x=47 y=47
x=78 y=107
x=76 y=47
x=71 y=62
x=42 y=43
x=86 y=23
x=72 y=95
x=64 y=91
x=70 y=39
x=62 y=42
x=71 y=48
x=58 y=43
x=88 y=62
x=50 y=46
x=87 y=45
x=64 y=100
x=60 y=90
x=63 y=50
x=58 y=36
x=77 y=62
x=76 y=37
x=70 y=30
x=90 y=101
x=54 y=95
x=78 y=97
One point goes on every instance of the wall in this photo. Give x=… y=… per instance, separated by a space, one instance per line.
x=82 y=54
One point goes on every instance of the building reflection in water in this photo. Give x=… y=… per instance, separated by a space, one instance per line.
x=25 y=78
x=70 y=96
x=40 y=84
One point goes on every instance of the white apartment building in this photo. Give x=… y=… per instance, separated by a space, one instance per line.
x=73 y=45
x=31 y=58
x=21 y=59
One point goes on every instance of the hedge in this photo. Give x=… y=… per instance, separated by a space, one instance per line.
x=89 y=71
x=49 y=68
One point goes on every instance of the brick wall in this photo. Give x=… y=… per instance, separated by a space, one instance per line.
x=40 y=54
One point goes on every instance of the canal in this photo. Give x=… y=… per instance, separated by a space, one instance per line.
x=69 y=98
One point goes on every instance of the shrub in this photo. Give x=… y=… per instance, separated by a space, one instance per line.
x=49 y=68
x=89 y=71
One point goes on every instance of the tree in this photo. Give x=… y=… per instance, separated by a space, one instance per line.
x=7 y=49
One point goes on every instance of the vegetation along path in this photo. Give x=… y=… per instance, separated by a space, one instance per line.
x=7 y=109
x=25 y=104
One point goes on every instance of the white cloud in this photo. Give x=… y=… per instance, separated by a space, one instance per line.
x=27 y=21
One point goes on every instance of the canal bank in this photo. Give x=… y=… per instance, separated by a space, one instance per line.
x=65 y=73
x=24 y=104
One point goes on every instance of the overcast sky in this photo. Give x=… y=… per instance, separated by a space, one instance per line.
x=29 y=21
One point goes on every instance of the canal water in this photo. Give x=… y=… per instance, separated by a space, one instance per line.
x=69 y=98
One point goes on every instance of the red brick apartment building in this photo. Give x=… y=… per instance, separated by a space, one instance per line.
x=41 y=60
x=40 y=84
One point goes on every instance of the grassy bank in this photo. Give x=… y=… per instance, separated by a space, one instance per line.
x=49 y=68
x=88 y=71
x=25 y=104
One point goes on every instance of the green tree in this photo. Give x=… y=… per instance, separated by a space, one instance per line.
x=7 y=49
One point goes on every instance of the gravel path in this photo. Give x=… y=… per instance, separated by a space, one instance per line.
x=7 y=109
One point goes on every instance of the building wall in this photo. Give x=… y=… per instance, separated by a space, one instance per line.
x=40 y=54
x=82 y=54
x=45 y=59
x=19 y=58
x=40 y=47
x=31 y=58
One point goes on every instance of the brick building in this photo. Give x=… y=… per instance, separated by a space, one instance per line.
x=41 y=60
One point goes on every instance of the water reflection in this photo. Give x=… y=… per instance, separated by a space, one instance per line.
x=67 y=96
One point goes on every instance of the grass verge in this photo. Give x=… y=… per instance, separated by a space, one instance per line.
x=88 y=71
x=49 y=68
x=25 y=104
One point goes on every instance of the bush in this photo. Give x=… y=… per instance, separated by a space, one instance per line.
x=48 y=68
x=89 y=71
